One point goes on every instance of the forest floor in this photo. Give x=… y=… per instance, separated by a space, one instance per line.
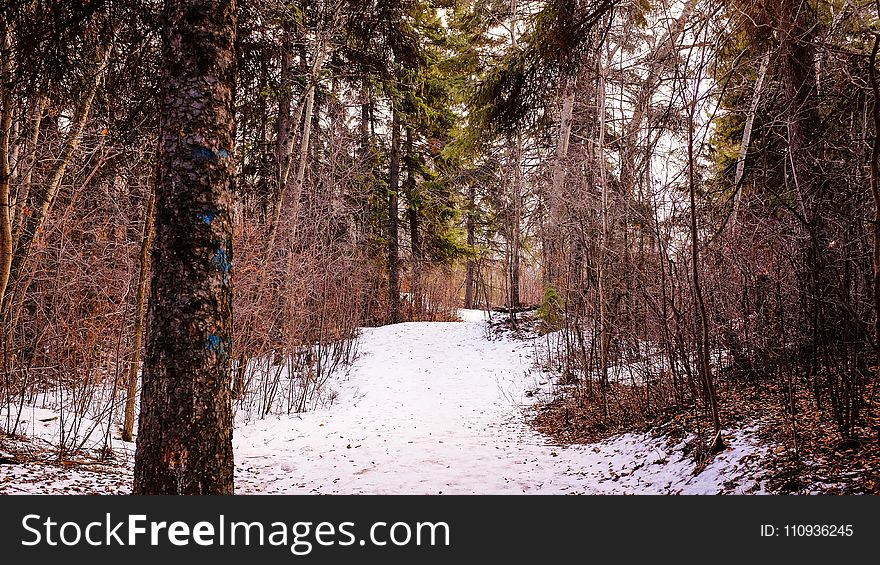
x=426 y=408
x=800 y=446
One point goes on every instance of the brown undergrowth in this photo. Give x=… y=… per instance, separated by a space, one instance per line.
x=805 y=453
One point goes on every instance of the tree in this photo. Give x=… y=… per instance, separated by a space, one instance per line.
x=185 y=429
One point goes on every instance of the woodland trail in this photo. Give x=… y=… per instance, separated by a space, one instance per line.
x=436 y=408
x=427 y=408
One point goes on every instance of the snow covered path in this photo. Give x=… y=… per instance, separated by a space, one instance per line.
x=436 y=408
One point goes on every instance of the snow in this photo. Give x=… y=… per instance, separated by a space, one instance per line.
x=473 y=315
x=429 y=408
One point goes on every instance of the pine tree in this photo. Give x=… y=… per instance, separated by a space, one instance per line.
x=184 y=441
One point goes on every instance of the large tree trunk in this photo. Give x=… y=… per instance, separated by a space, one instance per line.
x=804 y=178
x=185 y=428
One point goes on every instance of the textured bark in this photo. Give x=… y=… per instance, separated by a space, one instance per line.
x=185 y=428
x=137 y=333
x=393 y=252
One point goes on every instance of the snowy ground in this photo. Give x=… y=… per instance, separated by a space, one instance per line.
x=428 y=408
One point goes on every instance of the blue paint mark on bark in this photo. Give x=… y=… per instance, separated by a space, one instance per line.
x=207 y=216
x=207 y=154
x=217 y=344
x=221 y=261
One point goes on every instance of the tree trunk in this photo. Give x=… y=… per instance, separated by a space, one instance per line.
x=798 y=70
x=305 y=142
x=555 y=235
x=702 y=323
x=469 y=277
x=185 y=428
x=413 y=216
x=513 y=299
x=746 y=139
x=393 y=187
x=604 y=243
x=287 y=129
x=875 y=186
x=137 y=333
x=29 y=159
x=516 y=197
x=5 y=170
x=287 y=124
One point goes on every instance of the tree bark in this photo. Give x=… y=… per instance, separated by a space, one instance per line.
x=185 y=428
